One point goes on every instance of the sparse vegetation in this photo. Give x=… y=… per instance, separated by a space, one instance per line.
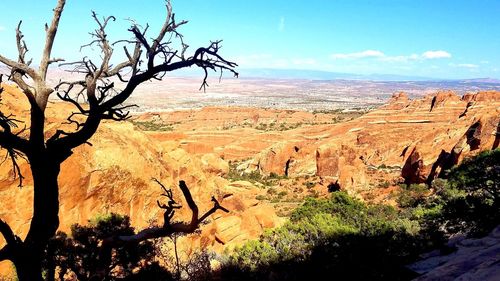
x=260 y=197
x=384 y=184
x=339 y=235
x=253 y=176
x=344 y=237
x=411 y=195
x=309 y=184
x=273 y=126
x=152 y=126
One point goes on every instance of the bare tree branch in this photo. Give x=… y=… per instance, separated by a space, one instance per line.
x=169 y=229
x=21 y=44
x=7 y=232
x=94 y=98
x=15 y=145
x=109 y=106
x=166 y=230
x=49 y=40
x=12 y=240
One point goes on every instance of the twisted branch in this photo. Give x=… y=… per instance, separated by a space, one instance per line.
x=109 y=104
x=167 y=230
x=13 y=241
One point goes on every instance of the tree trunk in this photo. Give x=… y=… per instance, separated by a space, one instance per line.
x=45 y=170
x=28 y=266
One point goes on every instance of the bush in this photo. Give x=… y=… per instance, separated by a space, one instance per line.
x=79 y=252
x=412 y=195
x=282 y=194
x=384 y=184
x=340 y=235
x=309 y=184
x=471 y=197
x=260 y=197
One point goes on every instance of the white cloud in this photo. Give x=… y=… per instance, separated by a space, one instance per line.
x=471 y=67
x=400 y=58
x=436 y=55
x=468 y=65
x=359 y=55
x=281 y=25
x=2 y=28
x=411 y=57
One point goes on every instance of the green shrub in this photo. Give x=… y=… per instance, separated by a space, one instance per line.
x=384 y=184
x=341 y=235
x=272 y=191
x=79 y=252
x=282 y=194
x=309 y=184
x=260 y=197
x=412 y=195
x=472 y=195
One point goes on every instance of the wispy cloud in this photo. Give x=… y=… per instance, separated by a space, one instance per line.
x=411 y=57
x=359 y=55
x=379 y=55
x=281 y=25
x=2 y=28
x=468 y=65
x=436 y=55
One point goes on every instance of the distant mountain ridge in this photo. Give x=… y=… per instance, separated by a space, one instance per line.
x=328 y=75
x=276 y=73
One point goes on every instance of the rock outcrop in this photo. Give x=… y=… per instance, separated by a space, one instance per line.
x=417 y=139
x=410 y=139
x=114 y=175
x=473 y=259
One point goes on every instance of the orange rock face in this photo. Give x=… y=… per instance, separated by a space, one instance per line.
x=410 y=140
x=416 y=139
x=114 y=175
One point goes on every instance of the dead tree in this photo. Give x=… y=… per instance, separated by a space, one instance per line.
x=166 y=230
x=95 y=99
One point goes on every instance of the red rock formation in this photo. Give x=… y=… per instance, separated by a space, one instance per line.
x=398 y=101
x=424 y=127
x=411 y=138
x=114 y=175
x=414 y=169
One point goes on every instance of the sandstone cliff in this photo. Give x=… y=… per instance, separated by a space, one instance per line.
x=405 y=140
x=114 y=175
x=412 y=139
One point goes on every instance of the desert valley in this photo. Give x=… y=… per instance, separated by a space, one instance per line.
x=259 y=162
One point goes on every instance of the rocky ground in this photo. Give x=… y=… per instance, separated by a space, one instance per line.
x=472 y=259
x=259 y=163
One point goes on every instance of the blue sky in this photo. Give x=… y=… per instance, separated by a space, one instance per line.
x=431 y=38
